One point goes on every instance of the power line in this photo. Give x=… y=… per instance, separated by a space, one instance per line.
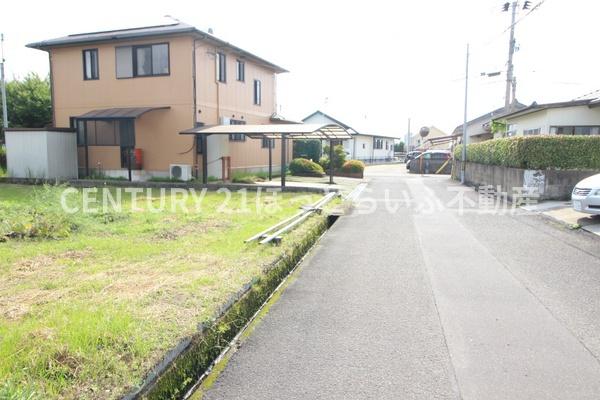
x=523 y=17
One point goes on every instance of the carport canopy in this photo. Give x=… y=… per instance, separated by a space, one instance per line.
x=329 y=132
x=118 y=113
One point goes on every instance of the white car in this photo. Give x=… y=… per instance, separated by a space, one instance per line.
x=586 y=195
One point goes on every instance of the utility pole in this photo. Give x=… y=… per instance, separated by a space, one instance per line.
x=510 y=82
x=463 y=163
x=3 y=85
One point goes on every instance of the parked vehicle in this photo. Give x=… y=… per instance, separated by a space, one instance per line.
x=411 y=155
x=431 y=162
x=586 y=195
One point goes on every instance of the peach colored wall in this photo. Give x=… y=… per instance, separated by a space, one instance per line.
x=235 y=100
x=157 y=132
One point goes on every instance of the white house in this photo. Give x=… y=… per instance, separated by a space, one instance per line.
x=577 y=117
x=366 y=147
x=480 y=129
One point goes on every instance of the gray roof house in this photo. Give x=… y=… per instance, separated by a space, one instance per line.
x=480 y=128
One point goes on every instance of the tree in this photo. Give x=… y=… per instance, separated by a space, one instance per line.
x=339 y=157
x=29 y=103
x=399 y=147
x=307 y=148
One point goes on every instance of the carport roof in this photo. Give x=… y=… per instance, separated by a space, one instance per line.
x=276 y=131
x=118 y=113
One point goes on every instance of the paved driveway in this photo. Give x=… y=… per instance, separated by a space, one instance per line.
x=414 y=297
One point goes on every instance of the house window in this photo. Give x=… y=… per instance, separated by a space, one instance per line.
x=221 y=67
x=266 y=142
x=363 y=145
x=386 y=145
x=257 y=92
x=575 y=130
x=90 y=64
x=240 y=70
x=378 y=144
x=237 y=137
x=530 y=132
x=145 y=60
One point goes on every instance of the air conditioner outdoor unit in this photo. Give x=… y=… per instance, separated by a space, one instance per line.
x=182 y=172
x=224 y=121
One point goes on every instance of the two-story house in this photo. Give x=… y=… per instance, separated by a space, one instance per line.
x=130 y=92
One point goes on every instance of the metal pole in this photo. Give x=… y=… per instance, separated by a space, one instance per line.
x=3 y=84
x=511 y=50
x=129 y=163
x=283 y=168
x=464 y=141
x=270 y=158
x=330 y=161
x=203 y=137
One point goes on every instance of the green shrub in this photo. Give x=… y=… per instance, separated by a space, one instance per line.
x=353 y=166
x=536 y=152
x=2 y=159
x=324 y=163
x=339 y=157
x=304 y=167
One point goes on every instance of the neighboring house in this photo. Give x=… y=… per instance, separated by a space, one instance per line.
x=427 y=143
x=577 y=117
x=130 y=92
x=480 y=128
x=366 y=147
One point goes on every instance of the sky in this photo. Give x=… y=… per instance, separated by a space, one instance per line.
x=371 y=64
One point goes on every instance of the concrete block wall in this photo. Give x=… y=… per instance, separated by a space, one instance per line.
x=552 y=184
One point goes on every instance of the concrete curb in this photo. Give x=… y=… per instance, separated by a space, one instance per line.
x=181 y=367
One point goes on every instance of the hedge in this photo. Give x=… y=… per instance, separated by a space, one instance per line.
x=304 y=167
x=536 y=152
x=353 y=166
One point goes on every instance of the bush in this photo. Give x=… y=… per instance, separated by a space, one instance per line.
x=2 y=157
x=324 y=163
x=339 y=157
x=304 y=167
x=537 y=152
x=353 y=167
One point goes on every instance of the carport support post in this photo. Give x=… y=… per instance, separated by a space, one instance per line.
x=283 y=166
x=129 y=163
x=270 y=159
x=87 y=153
x=331 y=161
x=203 y=139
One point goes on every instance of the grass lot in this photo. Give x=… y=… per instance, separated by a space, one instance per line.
x=88 y=314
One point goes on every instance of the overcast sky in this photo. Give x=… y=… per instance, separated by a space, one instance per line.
x=372 y=64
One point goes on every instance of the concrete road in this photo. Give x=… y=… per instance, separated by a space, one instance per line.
x=415 y=297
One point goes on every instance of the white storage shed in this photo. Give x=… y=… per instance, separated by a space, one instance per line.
x=45 y=153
